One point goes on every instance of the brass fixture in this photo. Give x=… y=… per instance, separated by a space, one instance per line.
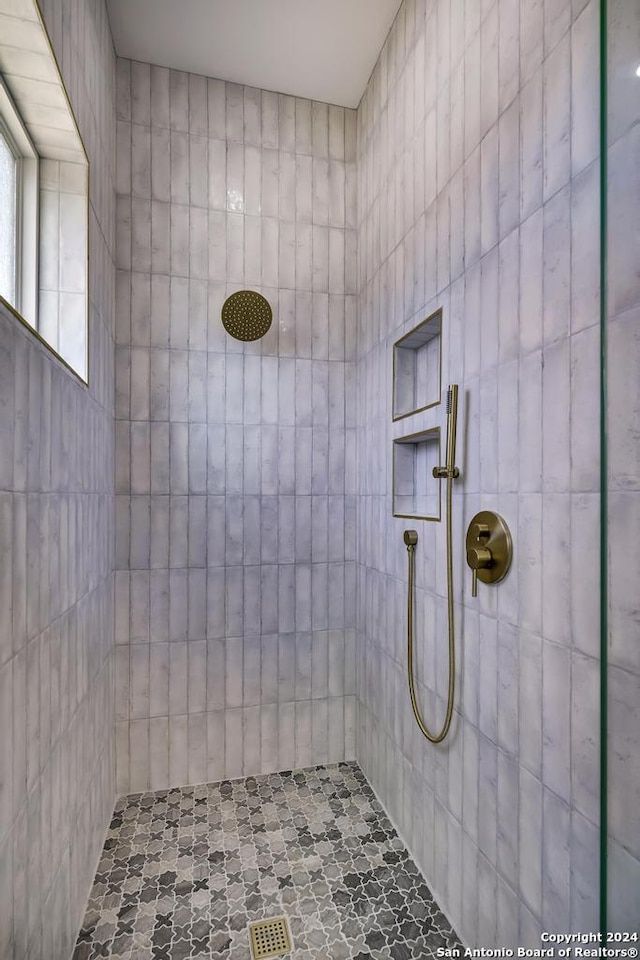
x=269 y=938
x=449 y=473
x=489 y=549
x=246 y=315
x=411 y=537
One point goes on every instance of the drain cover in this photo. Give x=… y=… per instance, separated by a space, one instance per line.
x=269 y=938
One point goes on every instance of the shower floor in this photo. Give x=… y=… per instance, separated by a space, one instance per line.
x=184 y=871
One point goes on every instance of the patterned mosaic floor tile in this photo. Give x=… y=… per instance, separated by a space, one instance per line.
x=184 y=871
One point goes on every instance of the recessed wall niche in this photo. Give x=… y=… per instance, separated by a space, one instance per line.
x=416 y=493
x=417 y=368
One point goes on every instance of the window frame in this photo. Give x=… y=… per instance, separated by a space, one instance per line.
x=7 y=139
x=27 y=200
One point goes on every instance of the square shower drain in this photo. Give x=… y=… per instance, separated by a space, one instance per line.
x=269 y=938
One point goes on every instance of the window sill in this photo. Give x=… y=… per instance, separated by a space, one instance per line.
x=6 y=308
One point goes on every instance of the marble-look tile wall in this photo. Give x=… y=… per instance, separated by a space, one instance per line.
x=235 y=465
x=478 y=193
x=57 y=763
x=624 y=465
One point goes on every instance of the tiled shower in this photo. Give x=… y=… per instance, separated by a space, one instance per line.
x=202 y=577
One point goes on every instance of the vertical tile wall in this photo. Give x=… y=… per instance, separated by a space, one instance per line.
x=56 y=574
x=624 y=465
x=478 y=193
x=235 y=465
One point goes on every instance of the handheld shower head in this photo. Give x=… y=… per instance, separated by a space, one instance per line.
x=450 y=471
x=452 y=423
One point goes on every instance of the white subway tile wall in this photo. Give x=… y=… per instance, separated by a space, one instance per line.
x=478 y=193
x=235 y=463
x=57 y=749
x=624 y=466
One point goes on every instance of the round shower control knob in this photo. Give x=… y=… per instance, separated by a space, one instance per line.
x=480 y=530
x=479 y=558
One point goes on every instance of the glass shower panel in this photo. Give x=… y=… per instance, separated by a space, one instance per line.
x=621 y=324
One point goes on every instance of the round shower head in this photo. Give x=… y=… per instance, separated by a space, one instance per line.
x=246 y=315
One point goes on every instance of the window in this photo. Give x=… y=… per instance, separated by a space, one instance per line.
x=8 y=202
x=44 y=192
x=19 y=206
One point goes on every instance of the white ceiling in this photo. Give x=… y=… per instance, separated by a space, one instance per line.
x=320 y=49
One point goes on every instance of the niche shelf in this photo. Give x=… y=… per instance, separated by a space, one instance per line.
x=417 y=368
x=416 y=493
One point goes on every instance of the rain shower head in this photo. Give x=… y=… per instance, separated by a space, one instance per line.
x=246 y=315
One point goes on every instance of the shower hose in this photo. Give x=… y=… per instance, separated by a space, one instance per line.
x=411 y=550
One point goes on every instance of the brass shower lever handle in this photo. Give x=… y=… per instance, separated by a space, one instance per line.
x=478 y=558
x=480 y=530
x=489 y=549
